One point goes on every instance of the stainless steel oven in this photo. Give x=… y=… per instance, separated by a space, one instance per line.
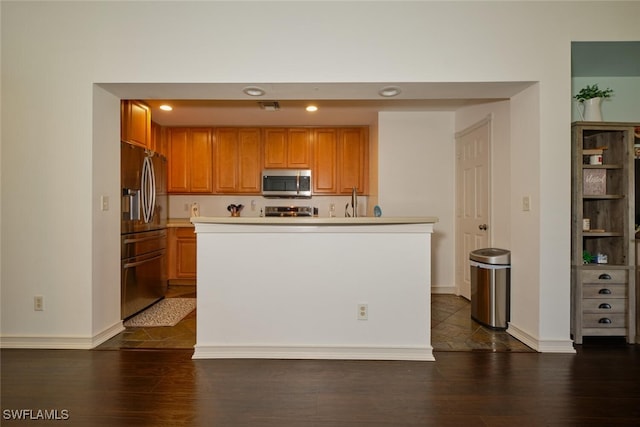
x=144 y=270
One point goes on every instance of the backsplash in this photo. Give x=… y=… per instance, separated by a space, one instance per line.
x=180 y=205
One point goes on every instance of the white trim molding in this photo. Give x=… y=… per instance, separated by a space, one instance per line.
x=314 y=352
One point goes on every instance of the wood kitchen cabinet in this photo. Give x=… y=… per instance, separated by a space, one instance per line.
x=340 y=160
x=182 y=255
x=287 y=148
x=237 y=160
x=602 y=228
x=190 y=160
x=135 y=126
x=158 y=142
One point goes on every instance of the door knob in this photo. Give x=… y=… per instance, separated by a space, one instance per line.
x=482 y=226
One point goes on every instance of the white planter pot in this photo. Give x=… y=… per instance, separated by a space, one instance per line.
x=591 y=111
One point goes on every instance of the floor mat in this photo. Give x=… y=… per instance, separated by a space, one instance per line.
x=166 y=312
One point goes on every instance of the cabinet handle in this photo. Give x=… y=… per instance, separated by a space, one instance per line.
x=604 y=276
x=604 y=320
x=604 y=291
x=605 y=306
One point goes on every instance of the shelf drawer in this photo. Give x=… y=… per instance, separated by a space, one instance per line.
x=604 y=291
x=604 y=306
x=604 y=321
x=604 y=276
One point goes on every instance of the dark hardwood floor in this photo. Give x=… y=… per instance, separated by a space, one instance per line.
x=598 y=386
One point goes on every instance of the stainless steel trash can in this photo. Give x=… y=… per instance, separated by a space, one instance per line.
x=491 y=287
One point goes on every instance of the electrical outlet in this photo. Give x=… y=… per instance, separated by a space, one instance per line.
x=526 y=203
x=363 y=311
x=38 y=303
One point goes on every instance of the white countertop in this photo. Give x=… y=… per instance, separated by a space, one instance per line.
x=313 y=220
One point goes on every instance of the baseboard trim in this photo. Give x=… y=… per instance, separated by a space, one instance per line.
x=107 y=334
x=449 y=290
x=542 y=346
x=61 y=343
x=313 y=352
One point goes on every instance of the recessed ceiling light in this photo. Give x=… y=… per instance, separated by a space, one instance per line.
x=253 y=91
x=165 y=107
x=389 y=91
x=311 y=108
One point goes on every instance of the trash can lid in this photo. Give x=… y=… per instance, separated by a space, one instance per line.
x=491 y=256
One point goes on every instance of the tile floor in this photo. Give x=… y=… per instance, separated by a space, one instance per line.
x=452 y=329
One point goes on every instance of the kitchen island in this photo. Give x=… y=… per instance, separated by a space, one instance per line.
x=314 y=288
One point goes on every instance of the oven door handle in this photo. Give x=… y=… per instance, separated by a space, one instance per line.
x=145 y=239
x=137 y=263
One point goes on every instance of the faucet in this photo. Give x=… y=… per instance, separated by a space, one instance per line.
x=354 y=201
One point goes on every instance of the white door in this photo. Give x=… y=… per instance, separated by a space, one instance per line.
x=472 y=198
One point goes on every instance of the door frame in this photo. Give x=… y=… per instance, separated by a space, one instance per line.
x=461 y=261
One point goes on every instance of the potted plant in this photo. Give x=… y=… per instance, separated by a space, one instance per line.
x=591 y=97
x=590 y=92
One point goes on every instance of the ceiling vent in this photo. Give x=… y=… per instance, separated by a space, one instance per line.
x=269 y=105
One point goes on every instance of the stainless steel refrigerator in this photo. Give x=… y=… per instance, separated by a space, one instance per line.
x=144 y=228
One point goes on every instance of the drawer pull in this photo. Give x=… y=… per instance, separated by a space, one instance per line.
x=604 y=291
x=604 y=320
x=605 y=306
x=604 y=276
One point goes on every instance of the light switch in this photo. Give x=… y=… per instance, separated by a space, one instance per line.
x=526 y=203
x=104 y=203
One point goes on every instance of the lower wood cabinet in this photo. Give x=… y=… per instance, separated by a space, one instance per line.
x=182 y=255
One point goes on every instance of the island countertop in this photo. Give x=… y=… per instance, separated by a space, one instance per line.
x=307 y=221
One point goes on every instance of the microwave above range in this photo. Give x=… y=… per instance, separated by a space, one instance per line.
x=286 y=183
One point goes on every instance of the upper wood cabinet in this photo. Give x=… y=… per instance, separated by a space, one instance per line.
x=237 y=160
x=341 y=160
x=158 y=142
x=287 y=148
x=324 y=171
x=190 y=161
x=135 y=126
x=353 y=160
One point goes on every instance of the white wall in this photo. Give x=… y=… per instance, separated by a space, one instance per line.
x=417 y=175
x=53 y=53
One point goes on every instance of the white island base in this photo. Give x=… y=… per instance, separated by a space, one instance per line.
x=282 y=288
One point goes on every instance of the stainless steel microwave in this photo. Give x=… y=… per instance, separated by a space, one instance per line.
x=286 y=183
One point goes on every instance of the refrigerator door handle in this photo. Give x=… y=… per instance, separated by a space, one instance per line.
x=148 y=189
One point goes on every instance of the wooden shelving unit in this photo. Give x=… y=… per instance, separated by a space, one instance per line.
x=603 y=271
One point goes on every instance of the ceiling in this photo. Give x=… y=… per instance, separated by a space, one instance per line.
x=223 y=104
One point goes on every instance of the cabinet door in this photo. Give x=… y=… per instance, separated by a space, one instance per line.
x=226 y=160
x=299 y=149
x=201 y=161
x=275 y=148
x=353 y=160
x=135 y=123
x=181 y=253
x=325 y=146
x=186 y=254
x=178 y=160
x=249 y=161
